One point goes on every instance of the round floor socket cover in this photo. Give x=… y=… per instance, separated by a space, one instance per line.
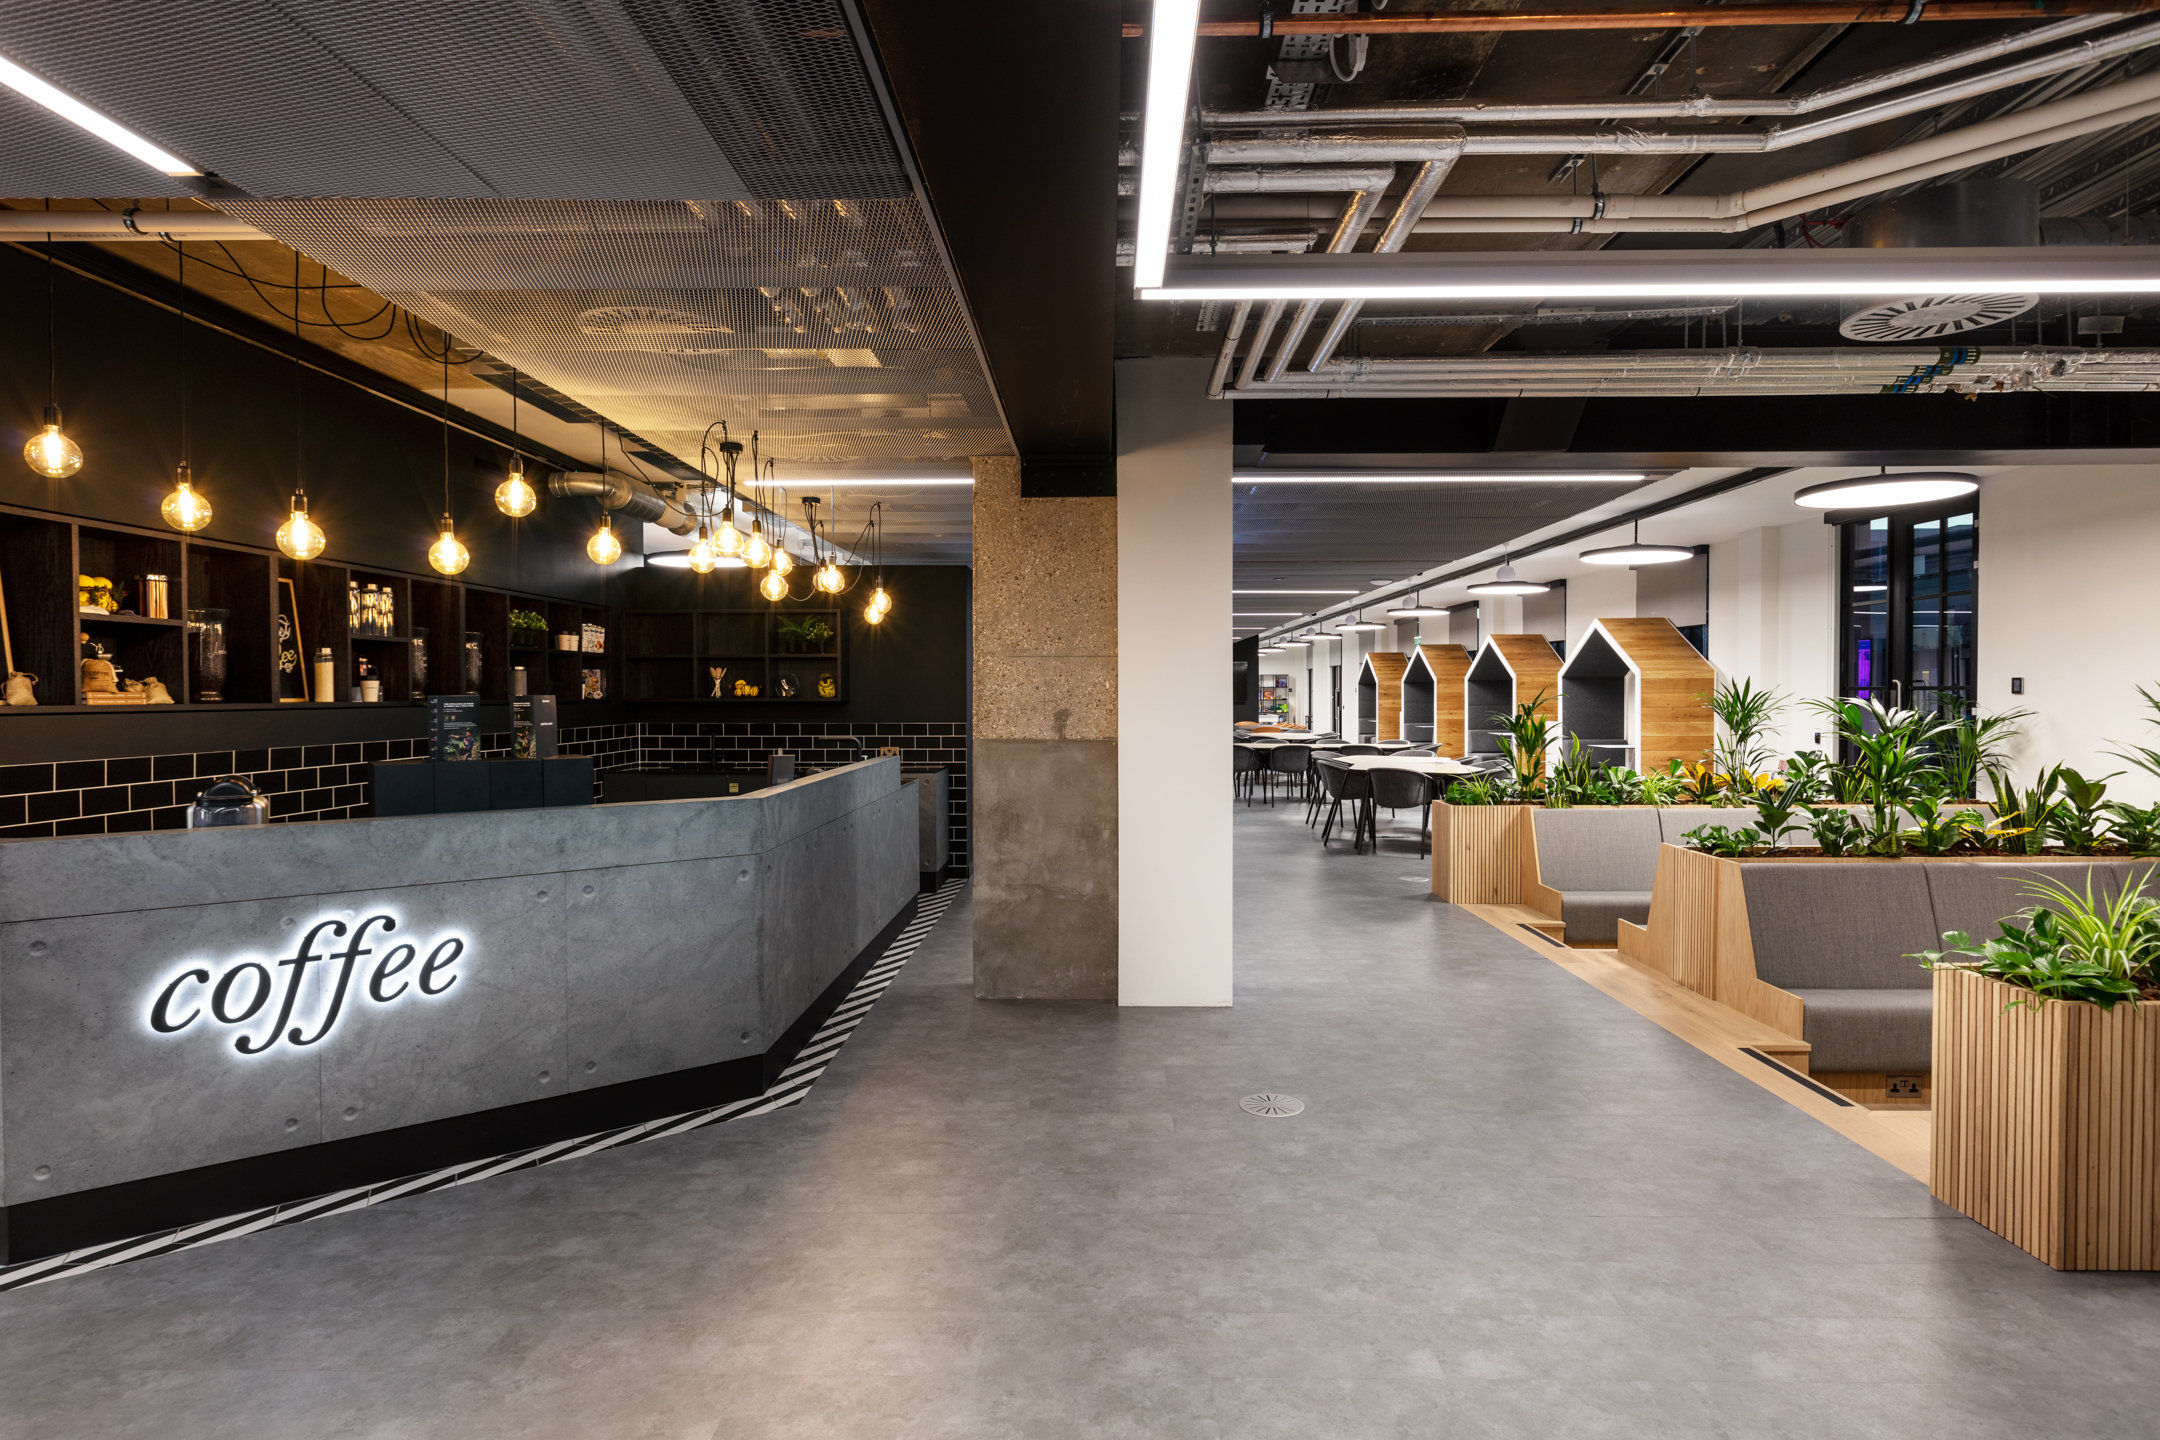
x=1271 y=1105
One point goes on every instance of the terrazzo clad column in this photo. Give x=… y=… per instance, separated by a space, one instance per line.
x=1173 y=684
x=1045 y=783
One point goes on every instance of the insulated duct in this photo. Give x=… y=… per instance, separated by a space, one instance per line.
x=632 y=498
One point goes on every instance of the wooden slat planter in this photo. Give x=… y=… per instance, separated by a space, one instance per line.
x=2047 y=1122
x=1482 y=854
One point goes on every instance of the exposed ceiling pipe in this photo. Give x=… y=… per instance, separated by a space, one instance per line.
x=1484 y=21
x=1229 y=349
x=625 y=496
x=107 y=225
x=1250 y=371
x=1423 y=186
x=1283 y=179
x=1348 y=232
x=1234 y=245
x=1636 y=107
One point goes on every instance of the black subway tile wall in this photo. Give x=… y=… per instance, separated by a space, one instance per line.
x=330 y=782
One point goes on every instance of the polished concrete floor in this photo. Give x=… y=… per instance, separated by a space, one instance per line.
x=1510 y=1208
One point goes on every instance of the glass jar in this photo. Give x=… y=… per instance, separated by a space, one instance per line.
x=206 y=654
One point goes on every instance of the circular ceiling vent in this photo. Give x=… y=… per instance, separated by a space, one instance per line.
x=1930 y=317
x=1271 y=1105
x=646 y=320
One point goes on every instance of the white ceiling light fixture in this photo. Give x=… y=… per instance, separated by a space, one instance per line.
x=1438 y=477
x=1886 y=491
x=1635 y=552
x=1265 y=614
x=1361 y=623
x=859 y=482
x=1656 y=275
x=1869 y=589
x=1293 y=592
x=680 y=560
x=1415 y=609
x=1505 y=582
x=1171 y=34
x=111 y=131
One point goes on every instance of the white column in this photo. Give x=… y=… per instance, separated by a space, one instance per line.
x=1174 y=706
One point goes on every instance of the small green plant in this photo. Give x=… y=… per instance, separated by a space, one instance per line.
x=2136 y=826
x=2144 y=756
x=2024 y=815
x=1718 y=840
x=1776 y=799
x=2079 y=823
x=1893 y=757
x=1836 y=831
x=1654 y=788
x=810 y=632
x=527 y=620
x=1746 y=714
x=1475 y=790
x=1937 y=829
x=1976 y=744
x=1529 y=735
x=2074 y=946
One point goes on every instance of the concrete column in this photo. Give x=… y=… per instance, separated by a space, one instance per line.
x=1045 y=782
x=1173 y=581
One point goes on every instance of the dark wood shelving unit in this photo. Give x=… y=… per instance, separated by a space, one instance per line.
x=671 y=654
x=41 y=554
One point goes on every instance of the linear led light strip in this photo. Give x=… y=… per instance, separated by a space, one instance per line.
x=1171 y=35
x=111 y=131
x=1438 y=477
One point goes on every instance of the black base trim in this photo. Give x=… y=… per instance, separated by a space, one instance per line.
x=38 y=1228
x=1794 y=1075
x=1545 y=937
x=934 y=880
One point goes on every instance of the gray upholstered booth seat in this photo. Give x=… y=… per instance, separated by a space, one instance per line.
x=1603 y=862
x=1869 y=1030
x=1840 y=937
x=1677 y=822
x=1976 y=896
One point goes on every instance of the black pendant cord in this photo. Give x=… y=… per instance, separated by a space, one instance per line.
x=299 y=436
x=52 y=367
x=180 y=351
x=446 y=431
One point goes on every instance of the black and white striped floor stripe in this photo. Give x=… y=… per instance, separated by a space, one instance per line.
x=790 y=1089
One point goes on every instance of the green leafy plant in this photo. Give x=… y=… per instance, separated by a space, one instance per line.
x=2079 y=823
x=1746 y=715
x=2136 y=826
x=1976 y=744
x=1893 y=757
x=1529 y=735
x=1937 y=829
x=1719 y=840
x=1699 y=783
x=2074 y=946
x=1653 y=788
x=2024 y=815
x=811 y=631
x=1835 y=830
x=527 y=620
x=1474 y=790
x=1574 y=779
x=1776 y=800
x=2144 y=756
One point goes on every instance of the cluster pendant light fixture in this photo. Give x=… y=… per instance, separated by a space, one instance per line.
x=299 y=537
x=184 y=510
x=50 y=452
x=447 y=555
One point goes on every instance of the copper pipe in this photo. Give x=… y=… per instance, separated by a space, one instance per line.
x=1477 y=22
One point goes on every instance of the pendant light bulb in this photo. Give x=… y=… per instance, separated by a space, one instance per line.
x=604 y=548
x=516 y=497
x=829 y=579
x=756 y=553
x=184 y=509
x=51 y=453
x=704 y=555
x=446 y=554
x=300 y=537
x=729 y=541
x=782 y=562
x=879 y=607
x=774 y=586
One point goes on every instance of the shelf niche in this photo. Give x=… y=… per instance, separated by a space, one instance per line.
x=1507 y=670
x=1632 y=693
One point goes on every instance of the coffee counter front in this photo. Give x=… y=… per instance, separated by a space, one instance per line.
x=193 y=1023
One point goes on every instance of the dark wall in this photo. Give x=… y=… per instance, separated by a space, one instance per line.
x=373 y=468
x=912 y=667
x=1245 y=683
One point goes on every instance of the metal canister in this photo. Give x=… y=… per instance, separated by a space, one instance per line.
x=154 y=594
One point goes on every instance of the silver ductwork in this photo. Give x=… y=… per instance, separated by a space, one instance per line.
x=631 y=498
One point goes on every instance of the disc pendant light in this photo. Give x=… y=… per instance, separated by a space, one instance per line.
x=50 y=452
x=516 y=497
x=1635 y=552
x=447 y=555
x=184 y=510
x=1886 y=491
x=1505 y=582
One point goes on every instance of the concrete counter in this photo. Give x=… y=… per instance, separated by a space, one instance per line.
x=195 y=1022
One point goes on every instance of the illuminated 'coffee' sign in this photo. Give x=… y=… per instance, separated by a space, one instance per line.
x=243 y=990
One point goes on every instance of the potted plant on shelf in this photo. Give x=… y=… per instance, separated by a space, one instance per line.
x=807 y=636
x=528 y=630
x=2046 y=1105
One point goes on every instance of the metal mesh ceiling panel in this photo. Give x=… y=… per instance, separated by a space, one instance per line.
x=830 y=326
x=576 y=99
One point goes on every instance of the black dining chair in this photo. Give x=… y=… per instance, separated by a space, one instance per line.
x=1357 y=749
x=1244 y=767
x=1288 y=762
x=1345 y=785
x=1400 y=790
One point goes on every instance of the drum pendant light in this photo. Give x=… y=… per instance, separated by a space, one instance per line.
x=50 y=452
x=184 y=510
x=1885 y=491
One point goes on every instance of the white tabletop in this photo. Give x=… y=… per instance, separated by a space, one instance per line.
x=1422 y=764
